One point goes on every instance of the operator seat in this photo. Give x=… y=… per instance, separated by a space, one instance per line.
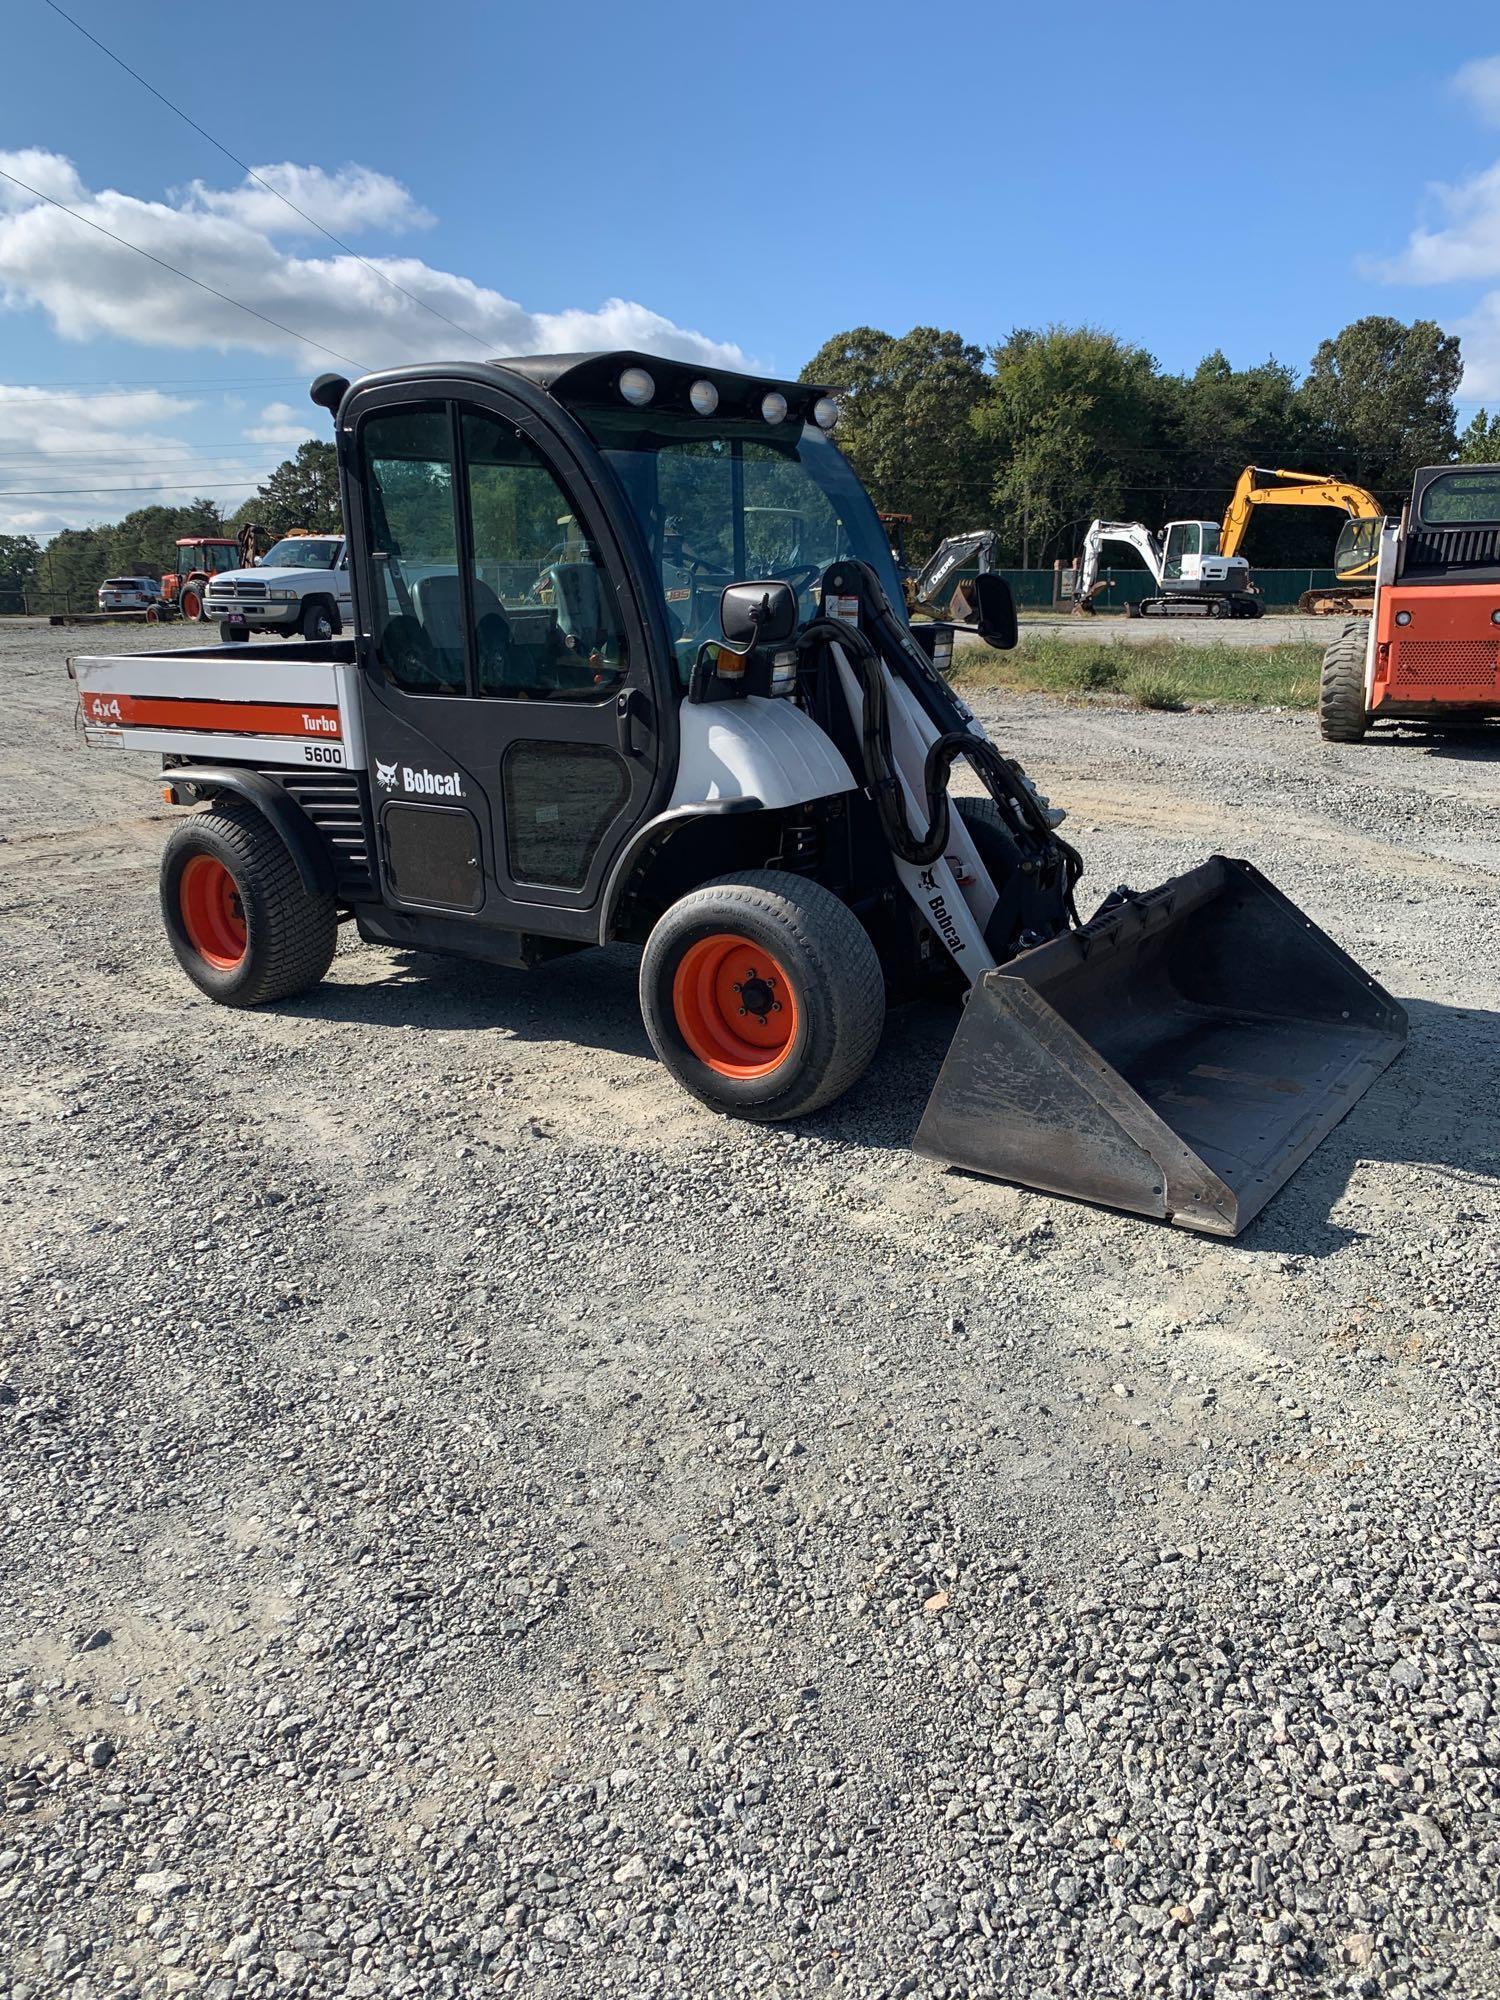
x=439 y=605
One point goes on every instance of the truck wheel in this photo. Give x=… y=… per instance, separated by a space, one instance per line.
x=763 y=995
x=233 y=634
x=317 y=620
x=1342 y=716
x=243 y=927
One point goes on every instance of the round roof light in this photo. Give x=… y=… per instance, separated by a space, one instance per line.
x=704 y=398
x=825 y=413
x=773 y=406
x=637 y=387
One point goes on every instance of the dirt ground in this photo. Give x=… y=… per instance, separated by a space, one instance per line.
x=475 y=1519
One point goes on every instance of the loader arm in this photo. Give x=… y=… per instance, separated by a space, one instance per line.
x=1131 y=535
x=950 y=555
x=1303 y=489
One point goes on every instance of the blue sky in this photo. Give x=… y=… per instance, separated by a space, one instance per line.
x=703 y=179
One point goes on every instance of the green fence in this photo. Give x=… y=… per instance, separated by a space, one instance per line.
x=1280 y=588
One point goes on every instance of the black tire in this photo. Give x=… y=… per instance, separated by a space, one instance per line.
x=317 y=621
x=1342 y=716
x=288 y=935
x=1133 y=609
x=233 y=635
x=828 y=961
x=190 y=603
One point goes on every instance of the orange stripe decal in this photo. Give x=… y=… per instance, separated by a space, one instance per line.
x=237 y=718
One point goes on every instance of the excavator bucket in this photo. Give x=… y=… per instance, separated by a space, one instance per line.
x=1180 y=1055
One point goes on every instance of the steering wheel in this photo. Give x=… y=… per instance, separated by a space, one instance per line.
x=800 y=576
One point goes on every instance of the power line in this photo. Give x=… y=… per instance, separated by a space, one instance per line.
x=165 y=486
x=265 y=318
x=312 y=221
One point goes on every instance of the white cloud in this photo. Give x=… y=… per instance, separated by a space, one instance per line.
x=1479 y=82
x=1480 y=333
x=89 y=286
x=353 y=198
x=280 y=424
x=65 y=458
x=1465 y=245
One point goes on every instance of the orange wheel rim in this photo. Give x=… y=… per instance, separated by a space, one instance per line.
x=212 y=913
x=735 y=1007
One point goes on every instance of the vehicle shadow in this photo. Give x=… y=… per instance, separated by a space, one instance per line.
x=1436 y=1108
x=1471 y=743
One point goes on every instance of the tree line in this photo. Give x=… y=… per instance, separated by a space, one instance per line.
x=1037 y=435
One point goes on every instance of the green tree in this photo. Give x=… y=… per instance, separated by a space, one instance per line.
x=19 y=558
x=1379 y=401
x=1073 y=421
x=1479 y=445
x=905 y=423
x=303 y=492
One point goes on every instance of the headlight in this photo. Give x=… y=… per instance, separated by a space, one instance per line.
x=704 y=398
x=825 y=413
x=637 y=387
x=282 y=596
x=773 y=406
x=1403 y=618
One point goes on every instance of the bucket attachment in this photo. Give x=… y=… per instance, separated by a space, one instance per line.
x=1180 y=1055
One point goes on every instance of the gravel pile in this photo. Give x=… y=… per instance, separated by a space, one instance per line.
x=477 y=1524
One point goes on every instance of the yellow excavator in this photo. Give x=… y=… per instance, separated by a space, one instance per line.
x=1354 y=559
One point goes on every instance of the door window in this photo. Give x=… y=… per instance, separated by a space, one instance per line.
x=547 y=624
x=418 y=616
x=1182 y=540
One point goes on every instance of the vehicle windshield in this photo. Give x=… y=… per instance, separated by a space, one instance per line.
x=1459 y=498
x=1358 y=552
x=302 y=552
x=736 y=504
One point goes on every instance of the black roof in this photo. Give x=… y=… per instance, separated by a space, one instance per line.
x=594 y=378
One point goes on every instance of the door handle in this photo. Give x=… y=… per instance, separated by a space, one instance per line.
x=632 y=711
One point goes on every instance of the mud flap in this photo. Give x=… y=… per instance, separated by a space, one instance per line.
x=1179 y=1056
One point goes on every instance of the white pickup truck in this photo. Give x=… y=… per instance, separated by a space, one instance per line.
x=300 y=585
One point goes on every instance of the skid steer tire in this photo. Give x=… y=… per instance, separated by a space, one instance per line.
x=802 y=968
x=243 y=927
x=1342 y=716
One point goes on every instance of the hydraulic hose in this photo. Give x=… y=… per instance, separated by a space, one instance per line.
x=1000 y=775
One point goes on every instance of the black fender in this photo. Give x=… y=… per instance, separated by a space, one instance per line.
x=302 y=840
x=645 y=837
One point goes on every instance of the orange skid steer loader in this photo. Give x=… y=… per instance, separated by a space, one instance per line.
x=702 y=723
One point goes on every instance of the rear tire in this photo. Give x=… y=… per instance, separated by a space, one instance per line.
x=1342 y=716
x=762 y=995
x=243 y=927
x=191 y=604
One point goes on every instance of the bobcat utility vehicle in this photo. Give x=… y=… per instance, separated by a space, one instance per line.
x=597 y=688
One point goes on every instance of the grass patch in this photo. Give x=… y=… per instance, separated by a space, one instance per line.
x=1157 y=673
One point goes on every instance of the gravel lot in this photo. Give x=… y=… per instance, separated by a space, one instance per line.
x=477 y=1522
x=1275 y=629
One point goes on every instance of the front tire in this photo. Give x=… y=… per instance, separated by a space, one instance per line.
x=317 y=620
x=1342 y=715
x=762 y=995
x=233 y=635
x=242 y=925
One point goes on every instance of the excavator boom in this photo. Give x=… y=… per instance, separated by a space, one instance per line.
x=1301 y=489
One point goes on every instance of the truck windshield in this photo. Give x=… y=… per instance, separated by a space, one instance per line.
x=1459 y=498
x=302 y=552
x=736 y=504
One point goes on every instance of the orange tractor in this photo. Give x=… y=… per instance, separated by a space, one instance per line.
x=198 y=558
x=1430 y=649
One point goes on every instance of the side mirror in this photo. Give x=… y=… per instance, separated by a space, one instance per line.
x=994 y=611
x=757 y=614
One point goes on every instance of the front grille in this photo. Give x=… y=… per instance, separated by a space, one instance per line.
x=334 y=802
x=239 y=590
x=1447 y=663
x=1451 y=548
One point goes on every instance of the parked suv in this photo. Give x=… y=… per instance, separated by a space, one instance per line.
x=300 y=585
x=128 y=593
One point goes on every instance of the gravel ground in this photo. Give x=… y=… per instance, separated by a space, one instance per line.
x=477 y=1522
